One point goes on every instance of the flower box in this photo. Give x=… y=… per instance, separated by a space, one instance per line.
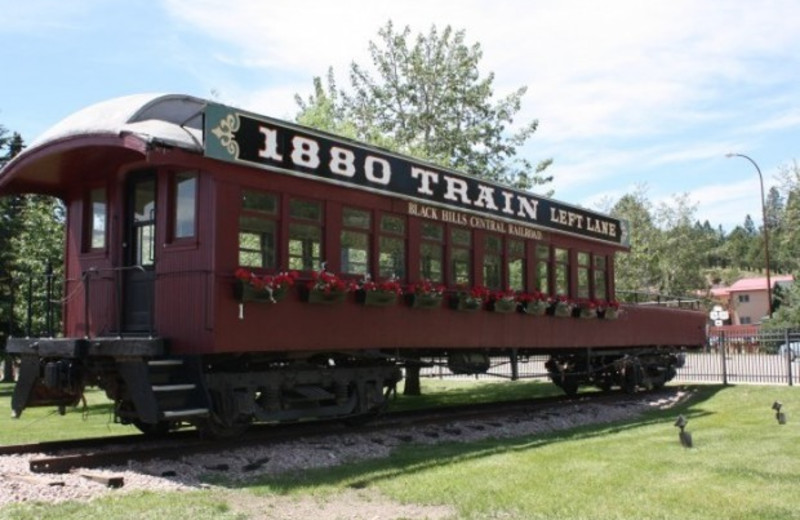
x=586 y=313
x=376 y=298
x=466 y=303
x=320 y=297
x=424 y=301
x=562 y=310
x=271 y=288
x=245 y=292
x=611 y=313
x=535 y=308
x=503 y=306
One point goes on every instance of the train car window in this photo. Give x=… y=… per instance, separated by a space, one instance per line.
x=355 y=241
x=305 y=235
x=600 y=278
x=305 y=209
x=96 y=218
x=144 y=222
x=460 y=255
x=259 y=202
x=583 y=275
x=431 y=252
x=542 y=280
x=392 y=248
x=258 y=230
x=356 y=218
x=516 y=265
x=394 y=225
x=492 y=262
x=184 y=204
x=561 y=265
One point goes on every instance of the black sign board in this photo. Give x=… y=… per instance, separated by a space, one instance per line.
x=236 y=136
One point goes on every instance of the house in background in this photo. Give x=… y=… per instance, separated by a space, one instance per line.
x=747 y=300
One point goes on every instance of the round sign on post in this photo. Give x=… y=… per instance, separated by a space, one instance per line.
x=718 y=315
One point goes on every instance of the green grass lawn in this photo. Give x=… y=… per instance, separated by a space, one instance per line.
x=743 y=466
x=45 y=424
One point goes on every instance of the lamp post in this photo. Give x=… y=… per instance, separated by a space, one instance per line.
x=766 y=231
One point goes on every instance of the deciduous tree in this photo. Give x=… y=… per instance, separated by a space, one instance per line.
x=425 y=96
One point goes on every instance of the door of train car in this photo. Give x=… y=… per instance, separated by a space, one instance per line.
x=140 y=252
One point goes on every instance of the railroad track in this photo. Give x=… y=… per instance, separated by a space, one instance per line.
x=66 y=456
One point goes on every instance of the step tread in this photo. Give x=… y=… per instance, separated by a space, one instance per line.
x=189 y=412
x=164 y=362
x=174 y=387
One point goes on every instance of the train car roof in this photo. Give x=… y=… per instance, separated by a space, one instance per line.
x=129 y=122
x=169 y=118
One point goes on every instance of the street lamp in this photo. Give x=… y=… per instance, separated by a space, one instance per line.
x=766 y=231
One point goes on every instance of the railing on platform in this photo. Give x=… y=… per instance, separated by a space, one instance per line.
x=661 y=300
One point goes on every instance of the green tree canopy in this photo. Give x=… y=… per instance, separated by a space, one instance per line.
x=424 y=96
x=31 y=240
x=637 y=271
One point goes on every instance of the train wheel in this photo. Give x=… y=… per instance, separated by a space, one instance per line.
x=570 y=385
x=631 y=377
x=158 y=429
x=213 y=428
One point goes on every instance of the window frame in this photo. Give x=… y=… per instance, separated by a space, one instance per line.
x=88 y=224
x=561 y=266
x=499 y=254
x=434 y=242
x=296 y=220
x=597 y=270
x=274 y=217
x=401 y=236
x=356 y=230
x=545 y=261
x=175 y=207
x=454 y=248
x=513 y=256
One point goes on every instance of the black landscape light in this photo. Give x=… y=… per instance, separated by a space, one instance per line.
x=779 y=415
x=684 y=436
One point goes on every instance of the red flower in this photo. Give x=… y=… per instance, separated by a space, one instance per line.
x=507 y=295
x=243 y=274
x=326 y=282
x=426 y=288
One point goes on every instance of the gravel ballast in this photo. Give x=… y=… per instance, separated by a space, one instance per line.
x=18 y=484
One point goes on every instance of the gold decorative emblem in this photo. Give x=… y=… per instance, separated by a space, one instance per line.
x=224 y=131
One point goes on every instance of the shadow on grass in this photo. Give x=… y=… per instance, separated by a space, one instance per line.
x=414 y=458
x=472 y=393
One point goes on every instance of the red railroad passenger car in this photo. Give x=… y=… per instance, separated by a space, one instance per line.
x=223 y=267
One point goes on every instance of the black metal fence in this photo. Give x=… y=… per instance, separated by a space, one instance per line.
x=732 y=356
x=745 y=355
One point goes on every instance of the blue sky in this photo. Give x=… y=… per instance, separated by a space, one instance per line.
x=627 y=93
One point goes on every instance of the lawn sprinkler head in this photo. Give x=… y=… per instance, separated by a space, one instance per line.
x=684 y=436
x=779 y=415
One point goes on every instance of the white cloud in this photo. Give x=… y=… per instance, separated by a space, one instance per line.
x=617 y=68
x=625 y=91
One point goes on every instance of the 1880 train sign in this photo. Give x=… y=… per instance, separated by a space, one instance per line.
x=232 y=135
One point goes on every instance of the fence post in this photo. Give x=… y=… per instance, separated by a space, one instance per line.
x=789 y=352
x=86 y=276
x=514 y=365
x=29 y=318
x=49 y=297
x=723 y=346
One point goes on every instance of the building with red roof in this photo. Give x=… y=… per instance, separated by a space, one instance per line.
x=747 y=299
